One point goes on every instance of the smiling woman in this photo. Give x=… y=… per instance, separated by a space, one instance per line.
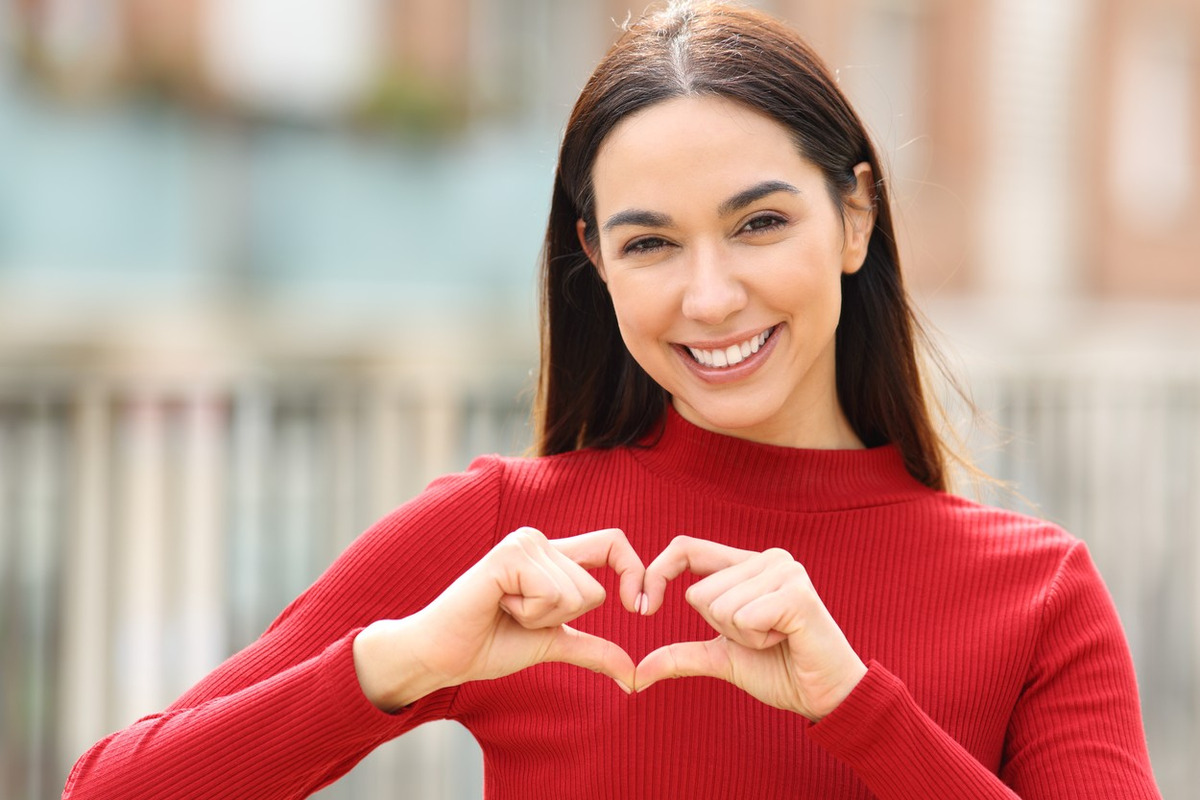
x=770 y=72
x=737 y=479
x=726 y=281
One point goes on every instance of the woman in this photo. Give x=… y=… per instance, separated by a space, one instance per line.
x=738 y=487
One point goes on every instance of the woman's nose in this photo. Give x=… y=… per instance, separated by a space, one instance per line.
x=714 y=291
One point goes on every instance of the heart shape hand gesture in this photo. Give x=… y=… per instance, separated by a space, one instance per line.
x=509 y=611
x=777 y=642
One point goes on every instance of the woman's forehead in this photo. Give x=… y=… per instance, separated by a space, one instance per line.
x=692 y=147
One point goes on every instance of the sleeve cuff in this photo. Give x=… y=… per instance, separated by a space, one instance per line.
x=881 y=732
x=356 y=716
x=853 y=727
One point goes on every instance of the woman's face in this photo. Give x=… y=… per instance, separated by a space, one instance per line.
x=723 y=253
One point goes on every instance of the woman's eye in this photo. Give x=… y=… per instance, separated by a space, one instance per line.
x=647 y=244
x=764 y=222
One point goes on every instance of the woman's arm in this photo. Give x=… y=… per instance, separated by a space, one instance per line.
x=287 y=714
x=1076 y=730
x=310 y=698
x=292 y=732
x=284 y=735
x=1078 y=721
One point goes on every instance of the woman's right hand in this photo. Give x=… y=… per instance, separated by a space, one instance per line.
x=507 y=612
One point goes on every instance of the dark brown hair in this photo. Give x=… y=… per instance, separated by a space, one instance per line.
x=591 y=393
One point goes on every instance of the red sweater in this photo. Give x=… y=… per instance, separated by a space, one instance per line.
x=997 y=665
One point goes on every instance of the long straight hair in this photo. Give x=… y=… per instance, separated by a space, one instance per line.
x=591 y=392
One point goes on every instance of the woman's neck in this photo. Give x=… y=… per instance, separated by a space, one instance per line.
x=823 y=429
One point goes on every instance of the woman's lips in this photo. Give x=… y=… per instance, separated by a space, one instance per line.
x=733 y=354
x=713 y=365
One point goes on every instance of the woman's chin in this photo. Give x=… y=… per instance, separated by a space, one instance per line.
x=739 y=421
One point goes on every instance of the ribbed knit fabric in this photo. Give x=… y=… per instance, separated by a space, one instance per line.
x=997 y=665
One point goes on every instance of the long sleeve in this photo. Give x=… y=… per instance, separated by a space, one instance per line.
x=286 y=715
x=1075 y=731
x=1078 y=722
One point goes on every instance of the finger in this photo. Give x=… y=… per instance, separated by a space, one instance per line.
x=537 y=592
x=592 y=652
x=682 y=660
x=767 y=620
x=607 y=548
x=721 y=597
x=796 y=610
x=725 y=612
x=588 y=588
x=687 y=554
x=733 y=586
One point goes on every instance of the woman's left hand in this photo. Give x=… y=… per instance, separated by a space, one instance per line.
x=777 y=641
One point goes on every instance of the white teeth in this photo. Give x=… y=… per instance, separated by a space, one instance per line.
x=734 y=354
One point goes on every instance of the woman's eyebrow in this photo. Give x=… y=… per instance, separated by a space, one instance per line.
x=755 y=192
x=636 y=216
x=654 y=219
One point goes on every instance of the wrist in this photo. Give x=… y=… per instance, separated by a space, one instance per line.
x=389 y=672
x=834 y=697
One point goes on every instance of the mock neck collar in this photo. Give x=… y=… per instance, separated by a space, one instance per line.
x=795 y=479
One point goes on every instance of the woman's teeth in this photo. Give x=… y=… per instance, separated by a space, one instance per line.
x=734 y=354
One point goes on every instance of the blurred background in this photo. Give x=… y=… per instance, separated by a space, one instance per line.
x=267 y=266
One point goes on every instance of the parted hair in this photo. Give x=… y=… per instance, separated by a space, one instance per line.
x=591 y=392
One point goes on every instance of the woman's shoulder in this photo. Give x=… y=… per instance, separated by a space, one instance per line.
x=558 y=472
x=994 y=531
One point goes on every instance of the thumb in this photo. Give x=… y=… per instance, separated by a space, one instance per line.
x=684 y=660
x=570 y=646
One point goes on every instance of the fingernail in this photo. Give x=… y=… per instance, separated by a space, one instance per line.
x=624 y=688
x=643 y=603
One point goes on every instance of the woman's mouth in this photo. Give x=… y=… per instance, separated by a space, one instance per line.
x=733 y=354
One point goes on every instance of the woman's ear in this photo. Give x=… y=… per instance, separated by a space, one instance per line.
x=593 y=253
x=859 y=215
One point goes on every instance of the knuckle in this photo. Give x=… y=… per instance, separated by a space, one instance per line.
x=508 y=548
x=594 y=596
x=571 y=603
x=616 y=534
x=778 y=554
x=739 y=621
x=724 y=619
x=674 y=669
x=800 y=578
x=528 y=534
x=803 y=599
x=524 y=539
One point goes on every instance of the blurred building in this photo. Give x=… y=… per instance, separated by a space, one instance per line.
x=266 y=266
x=1040 y=153
x=1041 y=150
